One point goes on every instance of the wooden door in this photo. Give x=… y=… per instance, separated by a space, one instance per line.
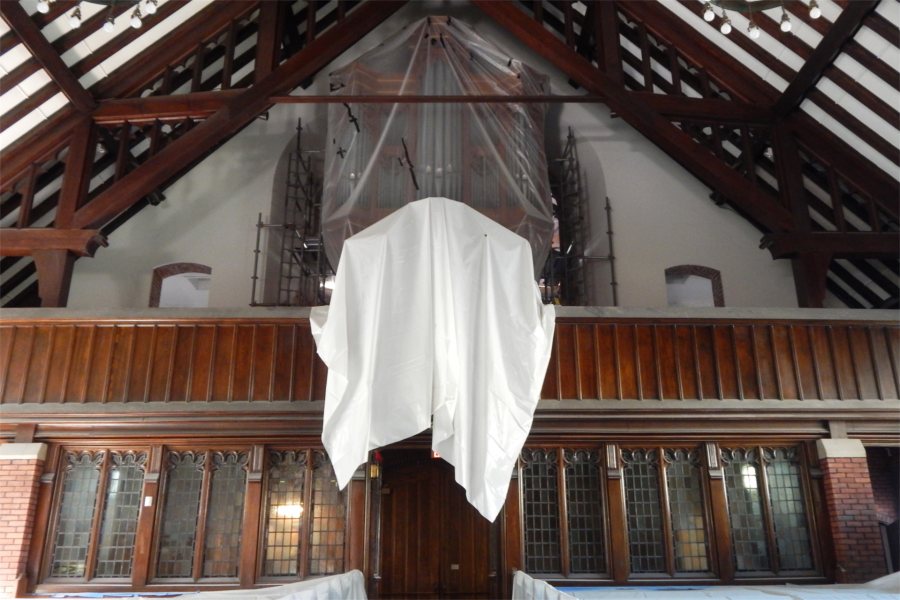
x=434 y=544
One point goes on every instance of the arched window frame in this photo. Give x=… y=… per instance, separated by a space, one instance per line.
x=714 y=276
x=164 y=271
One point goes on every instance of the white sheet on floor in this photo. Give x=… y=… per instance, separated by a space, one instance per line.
x=435 y=321
x=346 y=586
x=526 y=587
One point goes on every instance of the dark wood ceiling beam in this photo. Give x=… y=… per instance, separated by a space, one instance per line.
x=666 y=26
x=77 y=176
x=837 y=245
x=879 y=68
x=43 y=52
x=24 y=242
x=201 y=105
x=840 y=33
x=19 y=74
x=38 y=145
x=757 y=205
x=606 y=34
x=173 y=49
x=126 y=37
x=268 y=41
x=236 y=114
x=880 y=25
x=28 y=105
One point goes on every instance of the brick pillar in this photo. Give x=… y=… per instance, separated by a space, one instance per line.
x=858 y=551
x=21 y=466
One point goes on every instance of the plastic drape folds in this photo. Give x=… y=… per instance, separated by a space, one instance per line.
x=435 y=321
x=489 y=156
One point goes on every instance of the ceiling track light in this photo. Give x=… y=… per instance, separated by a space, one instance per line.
x=814 y=11
x=75 y=18
x=43 y=6
x=751 y=9
x=136 y=20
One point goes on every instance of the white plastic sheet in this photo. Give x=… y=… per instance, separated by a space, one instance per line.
x=435 y=321
x=489 y=156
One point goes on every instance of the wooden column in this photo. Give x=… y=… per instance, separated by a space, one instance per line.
x=250 y=530
x=722 y=545
x=810 y=268
x=143 y=559
x=618 y=520
x=54 y=271
x=80 y=159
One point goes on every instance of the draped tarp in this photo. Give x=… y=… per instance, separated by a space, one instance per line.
x=490 y=156
x=435 y=321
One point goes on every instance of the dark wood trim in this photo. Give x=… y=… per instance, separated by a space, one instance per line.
x=77 y=176
x=836 y=244
x=164 y=271
x=237 y=113
x=46 y=55
x=25 y=242
x=754 y=202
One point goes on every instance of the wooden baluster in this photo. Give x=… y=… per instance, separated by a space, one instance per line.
x=837 y=200
x=675 y=70
x=647 y=68
x=606 y=28
x=706 y=90
x=747 y=154
x=310 y=21
x=27 y=193
x=537 y=8
x=155 y=137
x=166 y=88
x=122 y=153
x=228 y=64
x=197 y=79
x=569 y=13
x=341 y=11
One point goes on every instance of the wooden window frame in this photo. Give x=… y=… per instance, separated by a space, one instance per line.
x=165 y=271
x=202 y=515
x=815 y=540
x=714 y=276
x=666 y=515
x=562 y=503
x=100 y=499
x=305 y=521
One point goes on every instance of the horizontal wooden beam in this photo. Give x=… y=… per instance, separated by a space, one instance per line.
x=237 y=112
x=203 y=104
x=46 y=55
x=24 y=242
x=835 y=244
x=744 y=195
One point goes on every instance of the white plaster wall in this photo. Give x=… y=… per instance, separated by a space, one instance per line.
x=661 y=215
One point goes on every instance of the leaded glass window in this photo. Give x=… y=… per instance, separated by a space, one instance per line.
x=767 y=510
x=540 y=487
x=645 y=534
x=202 y=483
x=305 y=516
x=326 y=535
x=585 y=511
x=120 y=514
x=76 y=513
x=686 y=510
x=97 y=484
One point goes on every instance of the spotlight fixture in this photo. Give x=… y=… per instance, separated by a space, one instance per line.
x=136 y=20
x=750 y=9
x=75 y=18
x=814 y=11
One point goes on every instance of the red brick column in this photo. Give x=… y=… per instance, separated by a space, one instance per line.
x=21 y=466
x=858 y=550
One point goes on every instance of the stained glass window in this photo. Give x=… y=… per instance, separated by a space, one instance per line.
x=326 y=533
x=224 y=514
x=76 y=513
x=645 y=538
x=686 y=510
x=184 y=481
x=125 y=477
x=284 y=512
x=541 y=505
x=585 y=511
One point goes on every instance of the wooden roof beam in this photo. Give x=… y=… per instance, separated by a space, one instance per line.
x=236 y=114
x=24 y=242
x=839 y=34
x=834 y=244
x=44 y=53
x=756 y=204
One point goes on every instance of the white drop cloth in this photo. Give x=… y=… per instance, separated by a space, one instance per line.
x=435 y=321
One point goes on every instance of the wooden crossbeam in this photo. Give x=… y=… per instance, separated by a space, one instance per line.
x=744 y=195
x=841 y=31
x=46 y=55
x=25 y=242
x=835 y=244
x=203 y=104
x=236 y=114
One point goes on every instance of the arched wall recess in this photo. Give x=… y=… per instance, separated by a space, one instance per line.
x=694 y=285
x=196 y=277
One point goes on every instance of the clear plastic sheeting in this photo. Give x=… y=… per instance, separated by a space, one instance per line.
x=435 y=321
x=488 y=156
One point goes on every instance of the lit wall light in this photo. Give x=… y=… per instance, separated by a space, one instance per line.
x=814 y=11
x=289 y=511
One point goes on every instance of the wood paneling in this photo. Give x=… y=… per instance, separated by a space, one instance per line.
x=203 y=360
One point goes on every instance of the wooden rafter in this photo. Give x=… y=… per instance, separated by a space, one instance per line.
x=46 y=55
x=236 y=114
x=835 y=244
x=843 y=30
x=758 y=205
x=24 y=242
